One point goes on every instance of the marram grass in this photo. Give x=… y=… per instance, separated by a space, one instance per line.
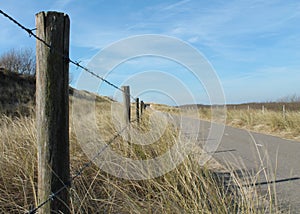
x=188 y=188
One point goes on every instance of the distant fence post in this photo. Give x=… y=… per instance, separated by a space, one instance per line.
x=263 y=109
x=52 y=110
x=138 y=110
x=142 y=107
x=126 y=100
x=283 y=111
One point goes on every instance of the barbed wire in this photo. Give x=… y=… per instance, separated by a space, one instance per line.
x=80 y=171
x=87 y=164
x=67 y=58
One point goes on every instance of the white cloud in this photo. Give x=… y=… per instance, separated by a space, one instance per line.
x=193 y=39
x=177 y=4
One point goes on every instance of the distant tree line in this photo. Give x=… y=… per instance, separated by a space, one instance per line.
x=20 y=61
x=290 y=99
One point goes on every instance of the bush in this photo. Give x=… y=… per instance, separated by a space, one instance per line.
x=19 y=61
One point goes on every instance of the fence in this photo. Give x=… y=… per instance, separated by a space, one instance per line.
x=52 y=110
x=283 y=107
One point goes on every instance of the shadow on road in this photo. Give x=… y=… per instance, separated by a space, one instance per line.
x=276 y=181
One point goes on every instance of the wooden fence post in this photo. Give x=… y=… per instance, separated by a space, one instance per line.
x=126 y=100
x=52 y=110
x=142 y=107
x=138 y=110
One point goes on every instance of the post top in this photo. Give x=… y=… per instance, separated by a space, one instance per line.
x=51 y=13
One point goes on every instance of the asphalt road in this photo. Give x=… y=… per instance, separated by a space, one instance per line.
x=252 y=152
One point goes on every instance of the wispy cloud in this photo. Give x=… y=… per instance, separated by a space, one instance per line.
x=224 y=27
x=177 y=4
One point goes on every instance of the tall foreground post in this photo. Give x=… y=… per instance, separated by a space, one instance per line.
x=52 y=112
x=126 y=100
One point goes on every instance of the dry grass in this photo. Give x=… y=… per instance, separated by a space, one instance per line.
x=17 y=163
x=189 y=188
x=269 y=122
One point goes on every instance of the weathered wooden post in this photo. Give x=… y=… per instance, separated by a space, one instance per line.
x=126 y=100
x=52 y=110
x=142 y=107
x=138 y=110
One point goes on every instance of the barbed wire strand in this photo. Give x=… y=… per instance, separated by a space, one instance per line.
x=80 y=171
x=88 y=164
x=77 y=64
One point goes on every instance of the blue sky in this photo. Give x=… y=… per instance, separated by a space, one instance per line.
x=253 y=45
